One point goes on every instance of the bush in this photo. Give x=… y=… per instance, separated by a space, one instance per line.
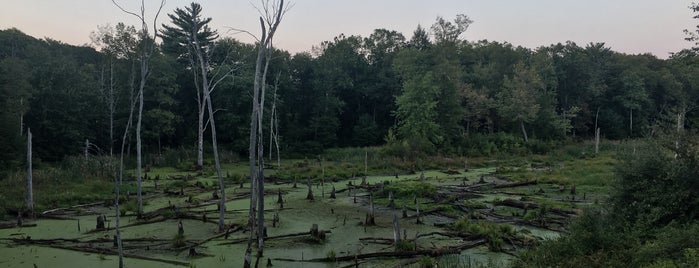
x=653 y=216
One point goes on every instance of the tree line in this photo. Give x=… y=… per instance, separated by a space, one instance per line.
x=433 y=92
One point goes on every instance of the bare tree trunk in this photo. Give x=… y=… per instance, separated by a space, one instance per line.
x=30 y=191
x=524 y=131
x=396 y=230
x=21 y=118
x=271 y=17
x=200 y=140
x=138 y=145
x=274 y=124
x=597 y=141
x=596 y=117
x=207 y=88
x=222 y=207
x=148 y=44
x=630 y=122
x=121 y=172
x=112 y=107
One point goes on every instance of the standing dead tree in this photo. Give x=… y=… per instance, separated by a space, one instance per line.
x=274 y=124
x=193 y=31
x=147 y=50
x=271 y=15
x=30 y=191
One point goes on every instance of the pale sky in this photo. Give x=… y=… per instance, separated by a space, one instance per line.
x=628 y=26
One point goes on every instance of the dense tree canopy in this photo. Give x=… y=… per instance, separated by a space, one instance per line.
x=440 y=94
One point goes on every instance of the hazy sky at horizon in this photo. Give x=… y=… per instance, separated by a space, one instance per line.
x=628 y=26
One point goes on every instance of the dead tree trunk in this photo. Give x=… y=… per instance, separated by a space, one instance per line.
x=597 y=141
x=396 y=230
x=30 y=191
x=630 y=122
x=222 y=207
x=148 y=47
x=269 y=21
x=200 y=135
x=309 y=196
x=147 y=51
x=524 y=131
x=370 y=219
x=391 y=203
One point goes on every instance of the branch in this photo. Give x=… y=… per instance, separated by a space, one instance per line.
x=239 y=31
x=126 y=11
x=209 y=120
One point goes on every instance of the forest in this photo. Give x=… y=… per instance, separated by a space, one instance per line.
x=374 y=108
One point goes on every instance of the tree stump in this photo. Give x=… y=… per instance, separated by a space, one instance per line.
x=275 y=219
x=316 y=233
x=280 y=200
x=396 y=230
x=100 y=222
x=309 y=196
x=370 y=216
x=391 y=203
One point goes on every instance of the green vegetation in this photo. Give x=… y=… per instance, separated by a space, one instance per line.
x=649 y=221
x=495 y=234
x=382 y=106
x=71 y=182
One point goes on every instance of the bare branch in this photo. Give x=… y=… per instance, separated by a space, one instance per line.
x=126 y=11
x=240 y=31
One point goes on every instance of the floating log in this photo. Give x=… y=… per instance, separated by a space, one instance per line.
x=396 y=254
x=515 y=184
x=532 y=205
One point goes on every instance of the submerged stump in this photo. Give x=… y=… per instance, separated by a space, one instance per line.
x=100 y=222
x=309 y=196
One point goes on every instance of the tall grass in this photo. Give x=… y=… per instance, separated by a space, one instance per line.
x=73 y=181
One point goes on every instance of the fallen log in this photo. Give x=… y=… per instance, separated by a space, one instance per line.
x=71 y=207
x=377 y=240
x=515 y=184
x=272 y=237
x=532 y=205
x=116 y=253
x=14 y=225
x=396 y=254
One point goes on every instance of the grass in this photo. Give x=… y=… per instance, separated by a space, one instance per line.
x=562 y=167
x=71 y=182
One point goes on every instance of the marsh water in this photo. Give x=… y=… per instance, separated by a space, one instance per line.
x=61 y=240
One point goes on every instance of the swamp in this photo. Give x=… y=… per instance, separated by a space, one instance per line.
x=168 y=140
